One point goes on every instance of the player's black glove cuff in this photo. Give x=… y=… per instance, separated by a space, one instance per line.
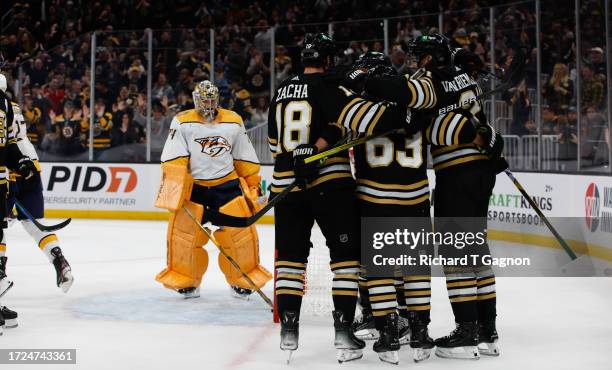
x=26 y=168
x=304 y=172
x=354 y=80
x=493 y=142
x=467 y=61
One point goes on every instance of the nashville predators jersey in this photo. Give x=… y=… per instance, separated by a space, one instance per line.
x=307 y=107
x=449 y=97
x=21 y=134
x=216 y=151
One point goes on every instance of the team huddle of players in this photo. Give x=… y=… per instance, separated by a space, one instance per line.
x=21 y=188
x=438 y=105
x=209 y=163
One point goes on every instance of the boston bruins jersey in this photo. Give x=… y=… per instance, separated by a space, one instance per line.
x=392 y=170
x=215 y=152
x=311 y=106
x=449 y=97
x=102 y=130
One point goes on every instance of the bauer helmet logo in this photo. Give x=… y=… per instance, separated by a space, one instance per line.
x=214 y=146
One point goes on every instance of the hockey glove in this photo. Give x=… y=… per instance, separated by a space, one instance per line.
x=304 y=172
x=28 y=172
x=467 y=61
x=26 y=168
x=493 y=146
x=355 y=79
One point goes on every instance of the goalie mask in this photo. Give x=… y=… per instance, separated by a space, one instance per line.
x=206 y=99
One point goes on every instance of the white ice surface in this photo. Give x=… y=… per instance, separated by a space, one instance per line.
x=119 y=317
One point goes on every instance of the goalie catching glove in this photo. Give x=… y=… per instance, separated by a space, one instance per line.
x=304 y=172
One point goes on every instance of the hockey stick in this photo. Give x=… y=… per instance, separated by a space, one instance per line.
x=515 y=74
x=535 y=207
x=40 y=226
x=230 y=259
x=222 y=219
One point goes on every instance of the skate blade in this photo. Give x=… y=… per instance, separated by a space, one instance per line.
x=9 y=324
x=346 y=355
x=462 y=353
x=390 y=357
x=367 y=334
x=5 y=286
x=193 y=294
x=421 y=354
x=243 y=297
x=65 y=285
x=489 y=349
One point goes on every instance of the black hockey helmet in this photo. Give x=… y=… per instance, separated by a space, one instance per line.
x=319 y=50
x=436 y=45
x=372 y=59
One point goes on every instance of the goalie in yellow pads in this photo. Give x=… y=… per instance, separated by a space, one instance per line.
x=209 y=161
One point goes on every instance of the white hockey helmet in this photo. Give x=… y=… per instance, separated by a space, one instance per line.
x=3 y=83
x=206 y=99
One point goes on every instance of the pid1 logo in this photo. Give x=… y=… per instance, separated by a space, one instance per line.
x=591 y=207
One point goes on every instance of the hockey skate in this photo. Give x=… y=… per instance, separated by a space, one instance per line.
x=290 y=332
x=241 y=293
x=190 y=292
x=387 y=346
x=63 y=271
x=420 y=342
x=1 y=324
x=349 y=347
x=487 y=338
x=461 y=343
x=363 y=326
x=10 y=317
x=5 y=283
x=403 y=327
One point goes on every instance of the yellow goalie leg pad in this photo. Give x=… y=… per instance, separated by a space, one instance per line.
x=187 y=260
x=242 y=245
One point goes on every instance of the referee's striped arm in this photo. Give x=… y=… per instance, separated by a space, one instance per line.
x=450 y=129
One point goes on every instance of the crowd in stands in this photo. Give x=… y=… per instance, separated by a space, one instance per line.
x=51 y=46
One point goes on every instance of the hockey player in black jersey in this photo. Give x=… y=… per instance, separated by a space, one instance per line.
x=466 y=153
x=308 y=113
x=11 y=158
x=391 y=176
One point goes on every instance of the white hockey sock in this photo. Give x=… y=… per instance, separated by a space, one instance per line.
x=45 y=240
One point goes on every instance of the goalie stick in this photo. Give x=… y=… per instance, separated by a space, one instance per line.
x=230 y=259
x=222 y=219
x=38 y=225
